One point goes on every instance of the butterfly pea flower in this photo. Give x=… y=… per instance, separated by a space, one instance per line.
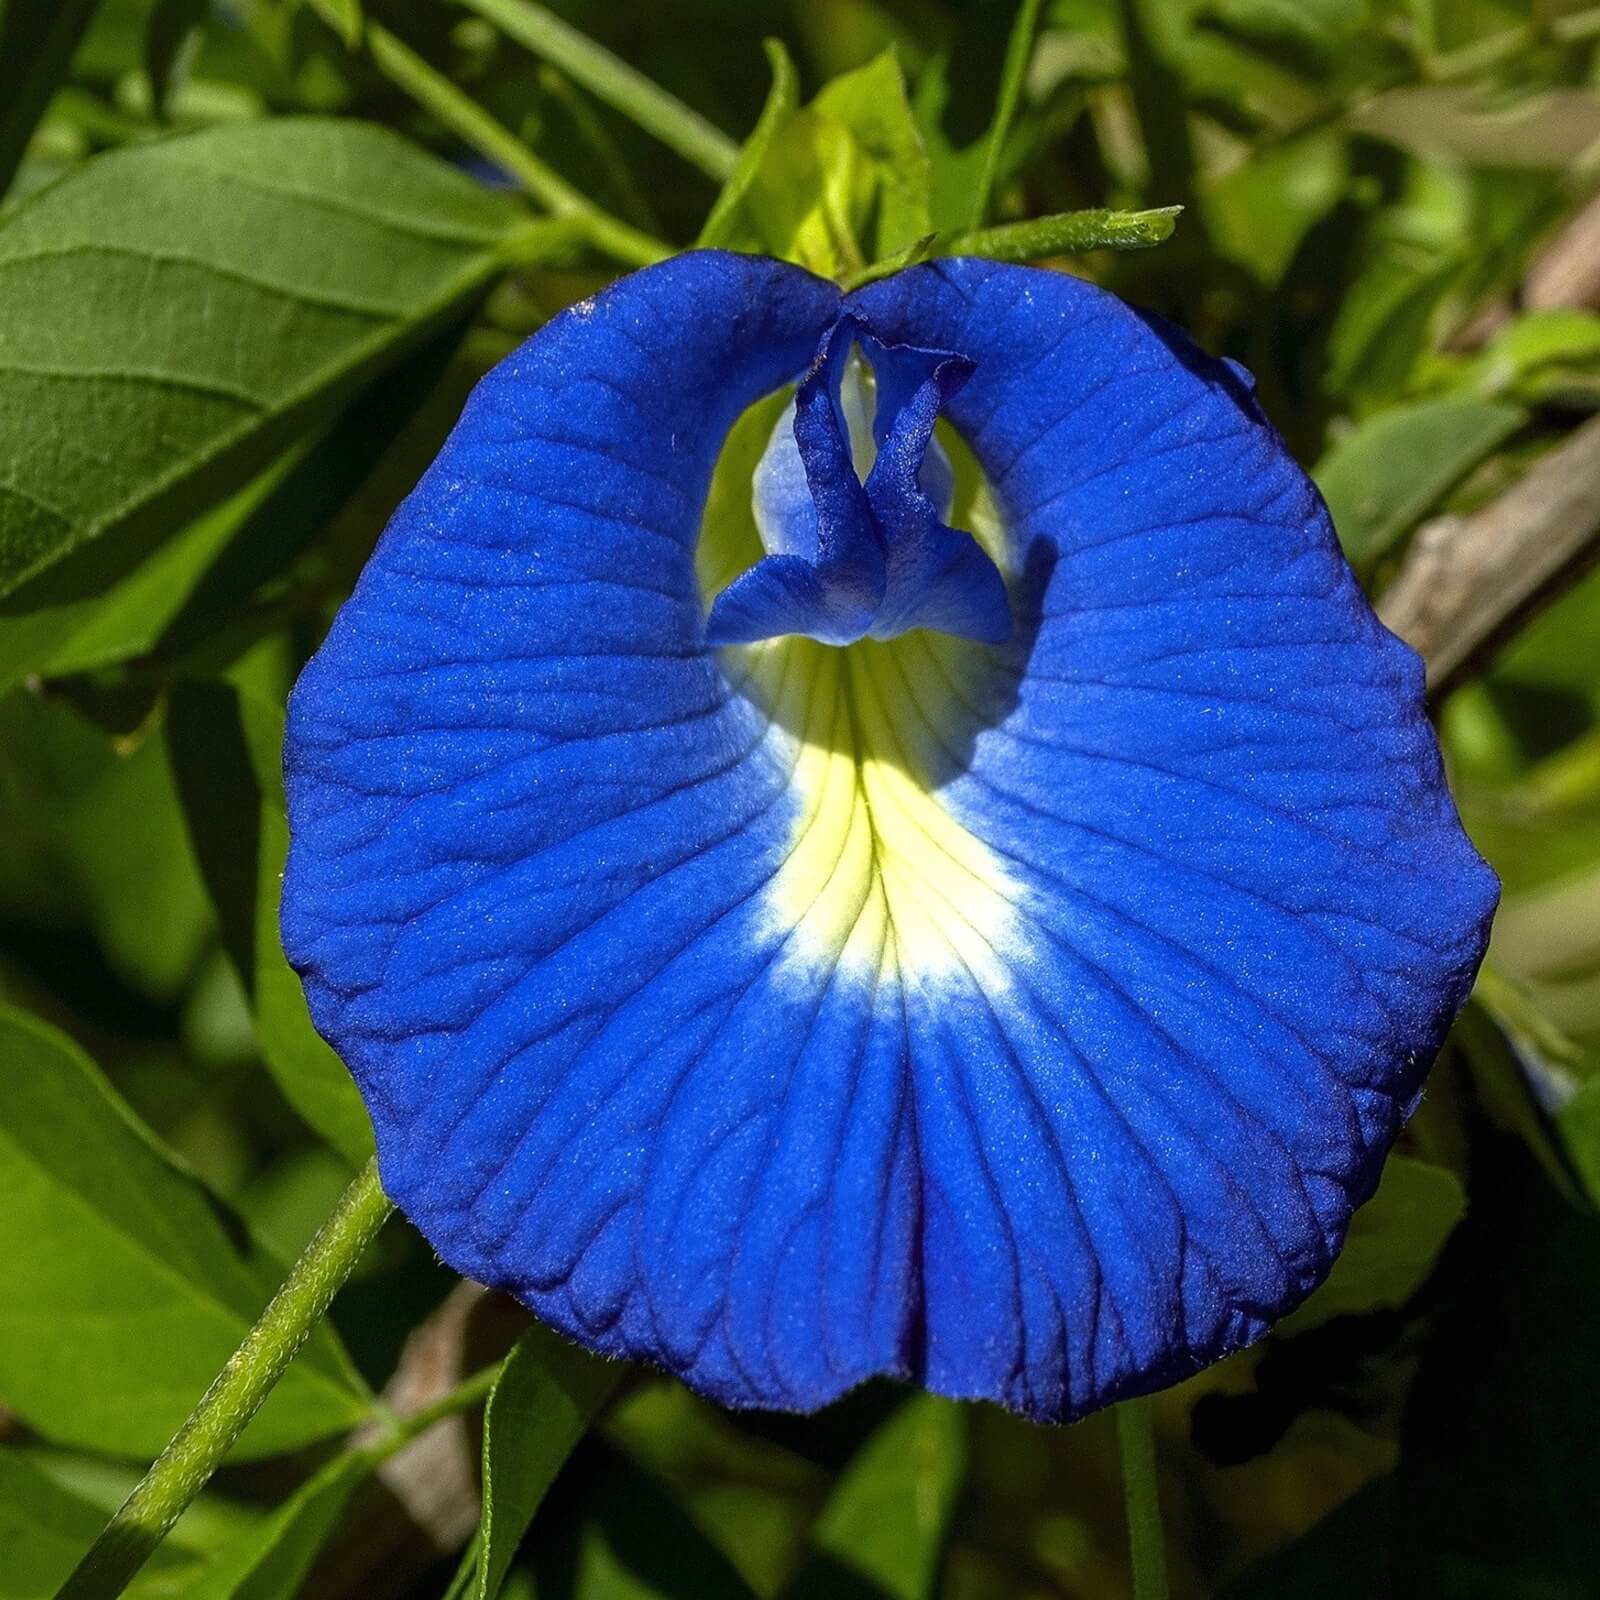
x=986 y=939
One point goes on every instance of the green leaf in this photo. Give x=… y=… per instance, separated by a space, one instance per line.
x=1579 y=1122
x=886 y=165
x=883 y=1528
x=37 y=41
x=1393 y=1242
x=1533 y=355
x=1390 y=470
x=1498 y=1447
x=833 y=185
x=44 y=1528
x=226 y=753
x=128 y=1283
x=127 y=396
x=1385 y=327
x=349 y=20
x=66 y=864
x=271 y=1561
x=625 y=1536
x=77 y=615
x=106 y=604
x=547 y=1395
x=1522 y=1067
x=1261 y=211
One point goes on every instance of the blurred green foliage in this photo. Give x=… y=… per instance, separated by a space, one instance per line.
x=1384 y=214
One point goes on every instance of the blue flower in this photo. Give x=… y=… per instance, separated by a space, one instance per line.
x=1001 y=962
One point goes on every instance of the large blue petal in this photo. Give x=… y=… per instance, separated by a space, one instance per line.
x=1026 y=1020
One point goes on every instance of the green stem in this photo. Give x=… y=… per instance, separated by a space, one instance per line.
x=1137 y=1443
x=647 y=104
x=463 y=1397
x=197 y=1449
x=465 y=118
x=1019 y=50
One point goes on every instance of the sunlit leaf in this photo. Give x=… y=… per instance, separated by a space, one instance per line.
x=1390 y=470
x=347 y=241
x=129 y=1284
x=834 y=184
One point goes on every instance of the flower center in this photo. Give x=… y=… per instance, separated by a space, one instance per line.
x=850 y=498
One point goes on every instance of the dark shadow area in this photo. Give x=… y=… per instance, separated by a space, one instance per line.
x=607 y=1526
x=1542 y=718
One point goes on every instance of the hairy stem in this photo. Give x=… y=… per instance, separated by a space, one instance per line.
x=198 y=1447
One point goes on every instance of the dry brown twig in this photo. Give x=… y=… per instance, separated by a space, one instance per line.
x=1468 y=580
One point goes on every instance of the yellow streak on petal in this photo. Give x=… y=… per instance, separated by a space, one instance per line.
x=873 y=842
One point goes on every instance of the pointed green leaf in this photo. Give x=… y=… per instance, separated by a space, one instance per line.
x=226 y=754
x=542 y=1404
x=1390 y=470
x=128 y=1283
x=885 y=163
x=1393 y=1242
x=883 y=1528
x=832 y=185
x=128 y=398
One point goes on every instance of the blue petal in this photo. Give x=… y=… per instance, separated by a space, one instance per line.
x=1026 y=1020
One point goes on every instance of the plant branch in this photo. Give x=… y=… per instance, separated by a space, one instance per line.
x=1147 y=1548
x=465 y=118
x=679 y=127
x=198 y=1447
x=1468 y=581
